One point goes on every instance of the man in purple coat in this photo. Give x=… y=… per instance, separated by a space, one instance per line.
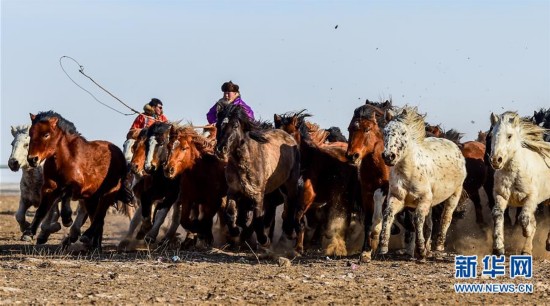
x=230 y=95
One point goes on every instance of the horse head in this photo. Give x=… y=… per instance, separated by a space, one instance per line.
x=138 y=153
x=291 y=123
x=505 y=138
x=131 y=138
x=404 y=128
x=364 y=133
x=232 y=123
x=46 y=130
x=158 y=135
x=20 y=147
x=184 y=148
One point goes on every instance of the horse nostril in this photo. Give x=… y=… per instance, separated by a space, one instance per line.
x=499 y=160
x=33 y=160
x=392 y=156
x=355 y=156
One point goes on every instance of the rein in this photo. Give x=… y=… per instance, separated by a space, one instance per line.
x=81 y=70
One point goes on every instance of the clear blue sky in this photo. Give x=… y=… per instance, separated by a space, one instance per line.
x=457 y=60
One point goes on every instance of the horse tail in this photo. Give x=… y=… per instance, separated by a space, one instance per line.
x=461 y=207
x=125 y=194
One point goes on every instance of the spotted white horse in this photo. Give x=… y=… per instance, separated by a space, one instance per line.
x=521 y=160
x=424 y=172
x=30 y=185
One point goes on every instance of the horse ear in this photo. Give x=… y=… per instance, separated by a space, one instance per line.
x=32 y=116
x=514 y=121
x=388 y=115
x=53 y=122
x=13 y=130
x=294 y=121
x=494 y=119
x=277 y=120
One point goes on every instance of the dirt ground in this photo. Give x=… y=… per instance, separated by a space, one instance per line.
x=47 y=275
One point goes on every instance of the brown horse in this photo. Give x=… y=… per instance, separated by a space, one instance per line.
x=365 y=147
x=327 y=177
x=89 y=170
x=260 y=162
x=201 y=178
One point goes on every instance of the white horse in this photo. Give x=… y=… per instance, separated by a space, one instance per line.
x=424 y=172
x=30 y=184
x=522 y=178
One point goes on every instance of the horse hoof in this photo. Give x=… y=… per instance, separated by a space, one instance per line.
x=365 y=257
x=67 y=222
x=85 y=240
x=41 y=240
x=383 y=250
x=55 y=227
x=149 y=239
x=27 y=238
x=498 y=252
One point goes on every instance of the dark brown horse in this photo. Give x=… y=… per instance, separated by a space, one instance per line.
x=92 y=171
x=327 y=177
x=260 y=161
x=365 y=147
x=201 y=178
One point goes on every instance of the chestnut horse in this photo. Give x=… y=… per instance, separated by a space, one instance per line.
x=327 y=177
x=260 y=161
x=201 y=178
x=92 y=171
x=365 y=147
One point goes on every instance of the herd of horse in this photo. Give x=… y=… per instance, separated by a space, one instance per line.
x=394 y=169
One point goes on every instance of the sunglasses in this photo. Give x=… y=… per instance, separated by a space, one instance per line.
x=159 y=106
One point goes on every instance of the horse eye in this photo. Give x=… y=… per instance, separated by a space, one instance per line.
x=26 y=145
x=46 y=136
x=509 y=136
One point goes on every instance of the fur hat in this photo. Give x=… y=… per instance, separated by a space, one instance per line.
x=230 y=87
x=148 y=109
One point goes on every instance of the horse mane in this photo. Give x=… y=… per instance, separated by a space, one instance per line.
x=414 y=122
x=482 y=136
x=62 y=123
x=157 y=128
x=335 y=134
x=315 y=132
x=203 y=144
x=20 y=129
x=454 y=136
x=531 y=134
x=365 y=111
x=255 y=129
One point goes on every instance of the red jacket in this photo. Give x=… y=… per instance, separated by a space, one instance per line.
x=143 y=121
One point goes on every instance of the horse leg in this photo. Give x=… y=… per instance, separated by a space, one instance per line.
x=421 y=212
x=473 y=194
x=548 y=242
x=231 y=214
x=529 y=225
x=93 y=235
x=20 y=214
x=134 y=223
x=75 y=230
x=394 y=206
x=446 y=218
x=258 y=224
x=49 y=225
x=146 y=201
x=498 y=218
x=306 y=199
x=373 y=225
x=47 y=199
x=66 y=211
x=174 y=221
x=161 y=211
